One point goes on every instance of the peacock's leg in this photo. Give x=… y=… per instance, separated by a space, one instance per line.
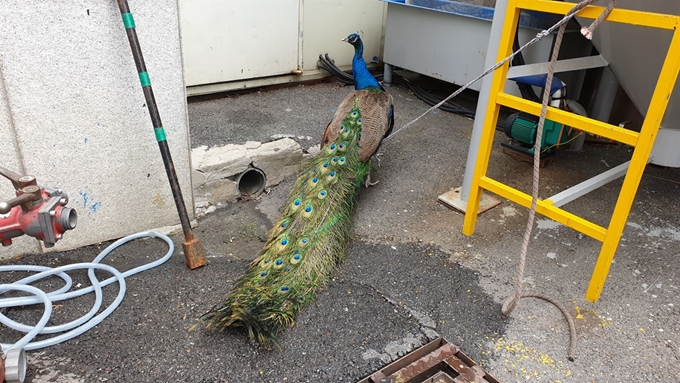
x=368 y=182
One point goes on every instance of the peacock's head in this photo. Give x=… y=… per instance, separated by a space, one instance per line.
x=353 y=39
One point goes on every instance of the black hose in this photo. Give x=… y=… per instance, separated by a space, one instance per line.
x=326 y=63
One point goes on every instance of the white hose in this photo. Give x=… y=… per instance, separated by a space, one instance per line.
x=88 y=320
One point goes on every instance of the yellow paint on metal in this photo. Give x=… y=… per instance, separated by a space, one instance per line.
x=618 y=15
x=492 y=111
x=596 y=127
x=545 y=208
x=642 y=141
x=638 y=162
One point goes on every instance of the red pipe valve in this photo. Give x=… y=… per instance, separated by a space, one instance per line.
x=35 y=211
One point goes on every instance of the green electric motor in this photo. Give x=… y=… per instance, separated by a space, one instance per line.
x=522 y=128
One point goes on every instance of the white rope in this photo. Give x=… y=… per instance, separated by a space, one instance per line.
x=538 y=37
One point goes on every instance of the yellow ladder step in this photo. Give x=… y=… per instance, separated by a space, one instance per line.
x=545 y=208
x=642 y=141
x=590 y=125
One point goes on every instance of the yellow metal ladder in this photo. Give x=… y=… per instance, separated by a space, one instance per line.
x=642 y=141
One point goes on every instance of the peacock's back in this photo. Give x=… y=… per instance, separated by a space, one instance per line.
x=378 y=120
x=311 y=235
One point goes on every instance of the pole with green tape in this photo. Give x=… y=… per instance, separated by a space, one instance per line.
x=193 y=251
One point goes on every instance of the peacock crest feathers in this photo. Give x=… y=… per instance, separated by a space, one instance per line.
x=305 y=244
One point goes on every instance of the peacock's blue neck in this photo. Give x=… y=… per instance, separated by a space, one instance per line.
x=363 y=79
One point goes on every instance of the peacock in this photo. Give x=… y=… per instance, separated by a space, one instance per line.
x=311 y=235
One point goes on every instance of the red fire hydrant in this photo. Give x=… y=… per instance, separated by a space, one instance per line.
x=39 y=212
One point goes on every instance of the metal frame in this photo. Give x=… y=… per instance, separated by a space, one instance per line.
x=642 y=141
x=560 y=66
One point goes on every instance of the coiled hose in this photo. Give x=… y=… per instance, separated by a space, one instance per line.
x=74 y=328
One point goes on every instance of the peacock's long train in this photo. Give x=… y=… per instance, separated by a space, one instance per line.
x=310 y=237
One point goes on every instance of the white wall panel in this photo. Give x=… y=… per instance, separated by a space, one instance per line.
x=227 y=40
x=231 y=44
x=327 y=22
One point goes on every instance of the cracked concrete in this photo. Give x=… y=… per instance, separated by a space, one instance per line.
x=409 y=248
x=216 y=170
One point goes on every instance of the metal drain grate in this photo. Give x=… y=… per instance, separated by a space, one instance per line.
x=436 y=362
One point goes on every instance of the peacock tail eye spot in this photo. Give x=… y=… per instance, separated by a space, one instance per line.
x=284 y=224
x=315 y=179
x=308 y=211
x=304 y=241
x=265 y=263
x=263 y=274
x=284 y=242
x=354 y=113
x=278 y=263
x=296 y=259
x=331 y=176
x=334 y=160
x=297 y=202
x=359 y=121
x=342 y=160
x=284 y=289
x=326 y=164
x=322 y=194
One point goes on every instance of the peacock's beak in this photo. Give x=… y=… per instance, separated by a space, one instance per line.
x=345 y=39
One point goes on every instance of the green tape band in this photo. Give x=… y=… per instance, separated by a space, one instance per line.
x=144 y=79
x=128 y=21
x=160 y=134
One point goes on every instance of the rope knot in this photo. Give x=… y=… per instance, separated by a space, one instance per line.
x=542 y=34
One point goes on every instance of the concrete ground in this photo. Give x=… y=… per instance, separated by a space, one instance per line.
x=409 y=273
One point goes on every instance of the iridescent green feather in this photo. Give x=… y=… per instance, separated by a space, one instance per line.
x=303 y=246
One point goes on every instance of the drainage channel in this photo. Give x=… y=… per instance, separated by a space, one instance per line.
x=436 y=362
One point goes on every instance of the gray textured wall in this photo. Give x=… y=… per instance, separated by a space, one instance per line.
x=73 y=114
